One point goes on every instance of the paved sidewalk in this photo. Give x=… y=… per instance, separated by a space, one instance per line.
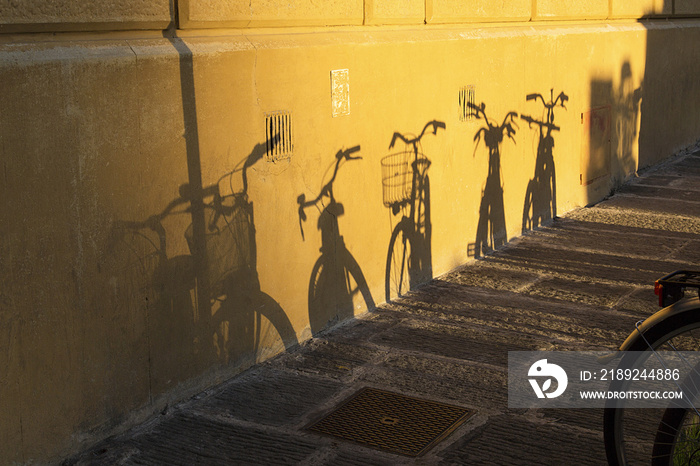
x=578 y=284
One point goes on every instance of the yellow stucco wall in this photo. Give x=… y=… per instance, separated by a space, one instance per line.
x=455 y=11
x=571 y=9
x=639 y=9
x=394 y=12
x=687 y=7
x=266 y=13
x=104 y=311
x=69 y=15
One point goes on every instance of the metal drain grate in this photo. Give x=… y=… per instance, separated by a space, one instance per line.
x=390 y=421
x=466 y=97
x=280 y=140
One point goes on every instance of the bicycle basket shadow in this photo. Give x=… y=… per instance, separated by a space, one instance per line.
x=132 y=260
x=230 y=243
x=397 y=175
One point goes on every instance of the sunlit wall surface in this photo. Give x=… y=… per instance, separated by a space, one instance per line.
x=192 y=187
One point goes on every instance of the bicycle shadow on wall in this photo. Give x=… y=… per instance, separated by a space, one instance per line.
x=611 y=133
x=406 y=191
x=540 y=205
x=491 y=232
x=626 y=110
x=337 y=282
x=247 y=324
x=165 y=288
x=239 y=321
x=197 y=311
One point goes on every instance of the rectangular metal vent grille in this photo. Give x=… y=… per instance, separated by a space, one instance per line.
x=279 y=136
x=392 y=422
x=466 y=97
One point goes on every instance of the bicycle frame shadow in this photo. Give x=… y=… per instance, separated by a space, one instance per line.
x=337 y=281
x=406 y=190
x=491 y=232
x=540 y=206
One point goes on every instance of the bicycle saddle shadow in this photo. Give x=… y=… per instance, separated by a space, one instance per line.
x=335 y=209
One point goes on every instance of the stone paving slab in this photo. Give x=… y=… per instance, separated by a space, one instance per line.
x=670 y=205
x=580 y=283
x=684 y=195
x=526 y=439
x=271 y=397
x=451 y=380
x=583 y=265
x=526 y=315
x=185 y=439
x=671 y=180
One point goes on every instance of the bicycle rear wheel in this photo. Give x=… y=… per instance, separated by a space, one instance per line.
x=677 y=439
x=636 y=435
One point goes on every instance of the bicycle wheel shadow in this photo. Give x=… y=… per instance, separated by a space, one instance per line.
x=337 y=285
x=141 y=275
x=406 y=191
x=540 y=206
x=491 y=232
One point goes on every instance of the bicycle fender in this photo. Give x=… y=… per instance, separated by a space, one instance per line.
x=635 y=340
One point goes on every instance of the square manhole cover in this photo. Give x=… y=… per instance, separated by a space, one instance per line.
x=392 y=422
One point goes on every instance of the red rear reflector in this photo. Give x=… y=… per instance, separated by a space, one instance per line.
x=659 y=291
